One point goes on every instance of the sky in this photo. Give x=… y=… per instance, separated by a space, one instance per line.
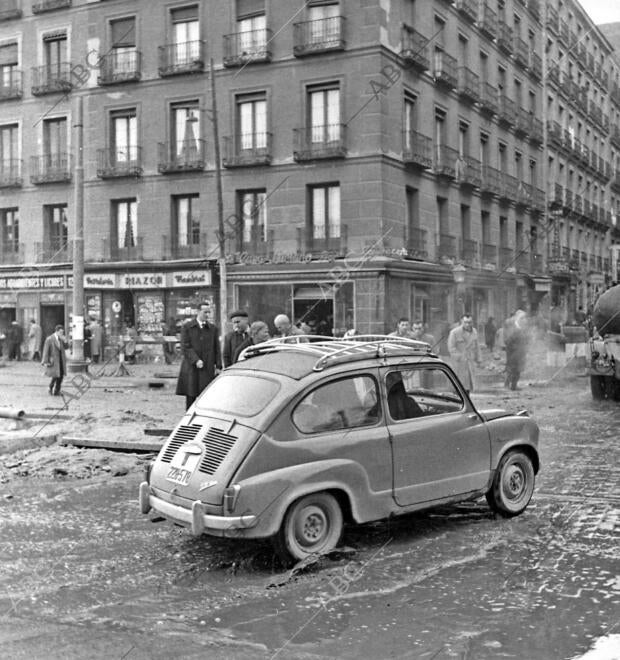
x=602 y=11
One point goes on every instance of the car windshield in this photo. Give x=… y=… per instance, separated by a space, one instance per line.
x=241 y=395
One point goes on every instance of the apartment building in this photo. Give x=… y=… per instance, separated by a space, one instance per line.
x=411 y=157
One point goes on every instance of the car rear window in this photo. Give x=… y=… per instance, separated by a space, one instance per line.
x=241 y=395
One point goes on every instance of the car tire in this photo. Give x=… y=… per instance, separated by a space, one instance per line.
x=597 y=387
x=312 y=526
x=513 y=484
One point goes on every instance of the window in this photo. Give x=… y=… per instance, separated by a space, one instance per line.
x=253 y=214
x=252 y=122
x=185 y=130
x=484 y=149
x=185 y=35
x=56 y=226
x=519 y=165
x=484 y=67
x=503 y=231
x=421 y=392
x=251 y=26
x=518 y=93
x=324 y=114
x=125 y=223
x=55 y=53
x=463 y=139
x=502 y=152
x=325 y=211
x=465 y=221
x=343 y=404
x=10 y=230
x=410 y=121
x=124 y=131
x=485 y=223
x=9 y=146
x=324 y=24
x=8 y=65
x=54 y=137
x=186 y=220
x=123 y=51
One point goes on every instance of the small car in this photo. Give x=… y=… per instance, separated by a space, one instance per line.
x=294 y=440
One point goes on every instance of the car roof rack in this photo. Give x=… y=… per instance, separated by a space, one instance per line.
x=331 y=350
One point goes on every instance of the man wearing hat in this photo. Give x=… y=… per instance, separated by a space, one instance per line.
x=236 y=337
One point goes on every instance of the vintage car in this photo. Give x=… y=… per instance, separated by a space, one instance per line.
x=296 y=439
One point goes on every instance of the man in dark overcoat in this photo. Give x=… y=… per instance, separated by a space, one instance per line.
x=236 y=336
x=54 y=359
x=202 y=360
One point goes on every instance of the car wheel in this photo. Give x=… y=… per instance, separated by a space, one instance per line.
x=312 y=525
x=597 y=386
x=513 y=484
x=611 y=388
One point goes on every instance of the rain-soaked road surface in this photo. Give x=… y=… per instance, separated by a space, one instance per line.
x=84 y=575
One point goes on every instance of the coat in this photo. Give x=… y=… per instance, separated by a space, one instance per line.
x=35 y=335
x=54 y=357
x=232 y=341
x=198 y=344
x=464 y=351
x=96 y=339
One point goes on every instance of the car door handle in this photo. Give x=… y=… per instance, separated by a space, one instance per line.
x=473 y=417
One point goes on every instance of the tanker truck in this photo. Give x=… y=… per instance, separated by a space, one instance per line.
x=604 y=347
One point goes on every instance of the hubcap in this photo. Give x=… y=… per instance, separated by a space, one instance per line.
x=312 y=526
x=514 y=482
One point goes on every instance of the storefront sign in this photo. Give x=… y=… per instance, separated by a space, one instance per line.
x=99 y=281
x=191 y=278
x=142 y=281
x=276 y=258
x=33 y=282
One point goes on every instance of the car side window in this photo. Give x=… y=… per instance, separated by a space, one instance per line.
x=342 y=404
x=421 y=391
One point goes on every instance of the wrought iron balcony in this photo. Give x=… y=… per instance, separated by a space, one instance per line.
x=535 y=65
x=313 y=239
x=554 y=73
x=415 y=240
x=314 y=142
x=488 y=98
x=468 y=84
x=468 y=8
x=182 y=57
x=557 y=195
x=10 y=9
x=469 y=251
x=51 y=79
x=521 y=51
x=536 y=130
x=116 y=163
x=522 y=121
x=114 y=252
x=246 y=47
x=445 y=158
x=468 y=172
x=447 y=247
x=247 y=149
x=504 y=38
x=120 y=67
x=487 y=20
x=49 y=5
x=552 y=18
x=259 y=244
x=489 y=254
x=506 y=258
x=507 y=110
x=554 y=132
x=318 y=36
x=414 y=49
x=445 y=69
x=11 y=84
x=568 y=199
x=509 y=187
x=417 y=149
x=188 y=246
x=182 y=156
x=524 y=193
x=11 y=252
x=11 y=173
x=51 y=168
x=491 y=183
x=538 y=199
x=53 y=251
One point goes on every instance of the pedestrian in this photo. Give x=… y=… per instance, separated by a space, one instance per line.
x=15 y=337
x=285 y=327
x=87 y=339
x=490 y=330
x=96 y=340
x=235 y=337
x=403 y=329
x=169 y=331
x=259 y=332
x=202 y=360
x=54 y=359
x=129 y=342
x=35 y=335
x=417 y=332
x=464 y=351
x=515 y=340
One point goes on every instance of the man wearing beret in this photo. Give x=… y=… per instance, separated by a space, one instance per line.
x=236 y=337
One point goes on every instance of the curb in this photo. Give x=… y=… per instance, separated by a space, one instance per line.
x=10 y=444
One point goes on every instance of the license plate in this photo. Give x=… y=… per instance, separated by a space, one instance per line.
x=182 y=467
x=179 y=475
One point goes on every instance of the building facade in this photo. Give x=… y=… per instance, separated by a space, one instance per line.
x=379 y=159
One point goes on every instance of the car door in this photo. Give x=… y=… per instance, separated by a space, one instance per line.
x=440 y=446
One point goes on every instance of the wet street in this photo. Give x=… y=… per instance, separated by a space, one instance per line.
x=85 y=575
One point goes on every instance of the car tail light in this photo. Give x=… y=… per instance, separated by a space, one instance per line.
x=231 y=495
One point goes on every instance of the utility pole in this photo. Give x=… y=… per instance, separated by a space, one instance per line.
x=221 y=237
x=77 y=362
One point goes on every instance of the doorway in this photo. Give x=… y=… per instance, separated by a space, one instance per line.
x=51 y=316
x=317 y=313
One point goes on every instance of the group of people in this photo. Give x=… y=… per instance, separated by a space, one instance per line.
x=13 y=340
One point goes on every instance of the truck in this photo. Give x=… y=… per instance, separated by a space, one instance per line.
x=604 y=347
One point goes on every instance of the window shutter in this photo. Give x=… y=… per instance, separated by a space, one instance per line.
x=55 y=36
x=124 y=33
x=250 y=7
x=185 y=14
x=8 y=54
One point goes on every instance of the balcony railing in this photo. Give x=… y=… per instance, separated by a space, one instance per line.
x=313 y=239
x=491 y=183
x=414 y=50
x=507 y=109
x=114 y=252
x=11 y=252
x=182 y=156
x=324 y=141
x=445 y=69
x=246 y=47
x=417 y=149
x=506 y=258
x=11 y=84
x=258 y=244
x=10 y=9
x=535 y=65
x=179 y=246
x=488 y=98
x=49 y=5
x=318 y=36
x=247 y=149
x=469 y=251
x=538 y=199
x=468 y=8
x=487 y=20
x=445 y=158
x=11 y=173
x=504 y=38
x=54 y=251
x=522 y=121
x=536 y=129
x=468 y=84
x=415 y=241
x=182 y=57
x=51 y=168
x=521 y=51
x=509 y=187
x=116 y=163
x=524 y=193
x=119 y=67
x=51 y=79
x=447 y=247
x=469 y=171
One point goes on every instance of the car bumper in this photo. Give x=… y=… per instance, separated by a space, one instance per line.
x=196 y=518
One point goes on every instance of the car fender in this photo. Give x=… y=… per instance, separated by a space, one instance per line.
x=510 y=432
x=269 y=494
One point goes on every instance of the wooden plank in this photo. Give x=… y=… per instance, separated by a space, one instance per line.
x=115 y=444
